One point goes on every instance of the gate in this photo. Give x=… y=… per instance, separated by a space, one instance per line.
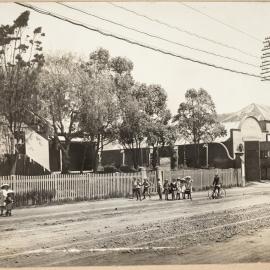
x=252 y=160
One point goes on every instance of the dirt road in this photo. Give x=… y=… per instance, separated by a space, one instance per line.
x=127 y=232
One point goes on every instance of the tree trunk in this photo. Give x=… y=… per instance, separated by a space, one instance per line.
x=154 y=157
x=96 y=152
x=65 y=158
x=134 y=157
x=14 y=164
x=197 y=154
x=84 y=157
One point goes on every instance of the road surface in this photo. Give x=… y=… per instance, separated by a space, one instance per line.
x=128 y=232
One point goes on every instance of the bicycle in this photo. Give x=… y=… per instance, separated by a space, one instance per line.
x=215 y=195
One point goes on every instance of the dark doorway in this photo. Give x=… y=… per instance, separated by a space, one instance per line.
x=252 y=160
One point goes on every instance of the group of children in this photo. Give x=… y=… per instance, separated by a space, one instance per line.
x=141 y=188
x=178 y=188
x=6 y=200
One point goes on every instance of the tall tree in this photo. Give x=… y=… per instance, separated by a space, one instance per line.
x=196 y=119
x=62 y=82
x=21 y=60
x=99 y=111
x=145 y=119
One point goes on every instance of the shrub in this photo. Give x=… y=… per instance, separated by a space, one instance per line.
x=127 y=169
x=110 y=169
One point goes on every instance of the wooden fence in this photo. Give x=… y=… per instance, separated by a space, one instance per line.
x=203 y=178
x=32 y=190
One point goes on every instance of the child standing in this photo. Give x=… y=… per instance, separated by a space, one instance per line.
x=138 y=190
x=3 y=196
x=9 y=202
x=178 y=184
x=188 y=187
x=159 y=188
x=146 y=186
x=134 y=186
x=173 y=189
x=166 y=188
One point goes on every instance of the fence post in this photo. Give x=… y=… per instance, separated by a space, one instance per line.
x=56 y=187
x=201 y=179
x=159 y=174
x=143 y=173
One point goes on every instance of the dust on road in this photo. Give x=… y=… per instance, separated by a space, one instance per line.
x=126 y=232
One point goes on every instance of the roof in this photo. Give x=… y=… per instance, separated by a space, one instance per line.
x=260 y=112
x=233 y=120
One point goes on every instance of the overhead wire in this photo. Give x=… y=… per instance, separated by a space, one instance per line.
x=108 y=34
x=157 y=37
x=221 y=22
x=182 y=30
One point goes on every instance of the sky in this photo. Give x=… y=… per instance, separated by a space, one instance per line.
x=230 y=92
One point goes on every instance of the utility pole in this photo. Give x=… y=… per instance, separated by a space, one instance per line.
x=265 y=65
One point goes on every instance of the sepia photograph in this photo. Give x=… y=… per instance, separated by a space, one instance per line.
x=134 y=133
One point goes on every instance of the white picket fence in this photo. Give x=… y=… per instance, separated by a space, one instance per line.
x=71 y=186
x=203 y=178
x=64 y=187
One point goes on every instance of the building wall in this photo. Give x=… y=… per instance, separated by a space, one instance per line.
x=24 y=166
x=37 y=148
x=217 y=156
x=115 y=157
x=76 y=156
x=251 y=130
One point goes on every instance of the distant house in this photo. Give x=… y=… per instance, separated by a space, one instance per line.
x=248 y=132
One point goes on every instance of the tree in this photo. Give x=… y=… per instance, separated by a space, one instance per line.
x=196 y=119
x=99 y=111
x=145 y=119
x=160 y=133
x=62 y=83
x=21 y=61
x=132 y=128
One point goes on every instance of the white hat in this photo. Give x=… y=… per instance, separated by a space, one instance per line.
x=4 y=185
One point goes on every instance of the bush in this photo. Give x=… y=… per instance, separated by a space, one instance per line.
x=110 y=169
x=127 y=169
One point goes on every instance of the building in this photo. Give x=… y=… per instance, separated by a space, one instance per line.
x=246 y=144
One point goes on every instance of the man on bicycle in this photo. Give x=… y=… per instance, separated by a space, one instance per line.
x=216 y=184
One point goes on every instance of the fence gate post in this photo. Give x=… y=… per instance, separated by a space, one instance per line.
x=201 y=179
x=143 y=173
x=159 y=174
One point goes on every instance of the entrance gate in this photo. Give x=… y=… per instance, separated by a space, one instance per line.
x=252 y=160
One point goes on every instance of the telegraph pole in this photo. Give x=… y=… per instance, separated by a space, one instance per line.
x=265 y=66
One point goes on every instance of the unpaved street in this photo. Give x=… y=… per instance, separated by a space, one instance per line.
x=127 y=232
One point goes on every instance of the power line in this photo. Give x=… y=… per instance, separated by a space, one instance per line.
x=158 y=37
x=221 y=22
x=182 y=30
x=104 y=33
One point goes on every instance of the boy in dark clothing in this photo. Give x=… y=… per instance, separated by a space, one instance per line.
x=159 y=188
x=134 y=186
x=166 y=188
x=9 y=203
x=138 y=190
x=146 y=186
x=216 y=184
x=173 y=187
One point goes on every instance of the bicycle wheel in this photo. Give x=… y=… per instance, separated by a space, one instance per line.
x=210 y=194
x=222 y=193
